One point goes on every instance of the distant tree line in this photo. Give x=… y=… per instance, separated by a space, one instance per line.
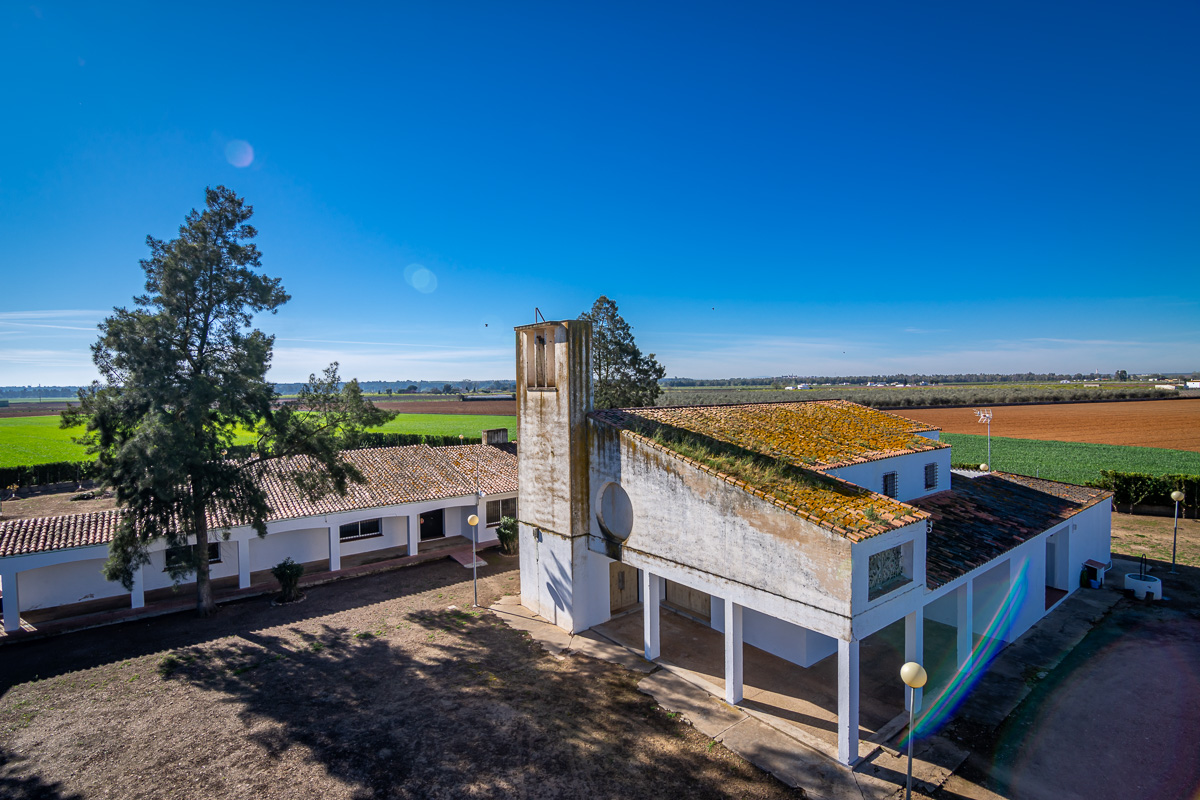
x=909 y=379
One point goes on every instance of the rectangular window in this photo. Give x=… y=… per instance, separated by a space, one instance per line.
x=360 y=530
x=497 y=509
x=931 y=476
x=886 y=572
x=178 y=556
x=889 y=484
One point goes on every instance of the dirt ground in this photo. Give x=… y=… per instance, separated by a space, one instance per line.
x=55 y=504
x=386 y=686
x=497 y=407
x=1172 y=424
x=1118 y=717
x=34 y=409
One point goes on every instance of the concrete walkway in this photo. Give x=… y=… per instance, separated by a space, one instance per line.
x=794 y=747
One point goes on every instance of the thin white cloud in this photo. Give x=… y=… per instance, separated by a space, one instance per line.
x=422 y=346
x=69 y=313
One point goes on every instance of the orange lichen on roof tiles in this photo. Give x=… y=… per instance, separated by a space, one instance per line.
x=821 y=435
x=832 y=503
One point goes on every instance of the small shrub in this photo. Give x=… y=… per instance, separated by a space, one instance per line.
x=288 y=573
x=509 y=535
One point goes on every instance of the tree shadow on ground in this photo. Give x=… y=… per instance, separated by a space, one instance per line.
x=15 y=784
x=56 y=655
x=464 y=705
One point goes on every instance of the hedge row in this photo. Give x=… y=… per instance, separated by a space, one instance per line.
x=64 y=471
x=1141 y=489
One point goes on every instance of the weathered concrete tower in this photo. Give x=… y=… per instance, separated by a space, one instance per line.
x=554 y=396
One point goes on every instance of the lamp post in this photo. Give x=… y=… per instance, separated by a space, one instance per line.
x=473 y=521
x=914 y=677
x=985 y=415
x=1177 y=496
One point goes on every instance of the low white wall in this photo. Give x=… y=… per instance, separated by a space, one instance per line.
x=790 y=642
x=301 y=546
x=60 y=584
x=155 y=575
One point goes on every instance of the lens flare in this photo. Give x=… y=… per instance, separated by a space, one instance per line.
x=420 y=278
x=239 y=153
x=938 y=712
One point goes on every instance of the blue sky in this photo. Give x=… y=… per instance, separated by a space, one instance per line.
x=764 y=188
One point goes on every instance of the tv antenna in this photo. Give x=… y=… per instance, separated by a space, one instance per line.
x=985 y=415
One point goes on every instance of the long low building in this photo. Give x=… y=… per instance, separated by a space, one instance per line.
x=414 y=499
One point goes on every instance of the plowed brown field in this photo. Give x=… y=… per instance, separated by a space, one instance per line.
x=1172 y=424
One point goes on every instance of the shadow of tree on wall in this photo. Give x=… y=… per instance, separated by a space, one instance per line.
x=16 y=784
x=474 y=707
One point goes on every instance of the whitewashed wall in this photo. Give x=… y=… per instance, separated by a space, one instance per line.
x=790 y=642
x=60 y=584
x=909 y=469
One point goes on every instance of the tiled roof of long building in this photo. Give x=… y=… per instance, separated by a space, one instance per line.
x=980 y=519
x=394 y=476
x=800 y=439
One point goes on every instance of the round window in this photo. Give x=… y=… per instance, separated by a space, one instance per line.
x=615 y=513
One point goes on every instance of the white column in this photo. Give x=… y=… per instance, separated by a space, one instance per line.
x=733 y=652
x=848 y=701
x=414 y=533
x=12 y=603
x=482 y=531
x=335 y=549
x=137 y=595
x=914 y=650
x=652 y=595
x=964 y=595
x=243 y=563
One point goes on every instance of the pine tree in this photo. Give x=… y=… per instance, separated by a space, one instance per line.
x=624 y=378
x=183 y=371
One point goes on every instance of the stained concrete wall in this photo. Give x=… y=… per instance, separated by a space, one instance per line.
x=694 y=528
x=558 y=579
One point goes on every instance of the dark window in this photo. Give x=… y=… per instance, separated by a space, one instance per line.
x=931 y=476
x=360 y=530
x=179 y=556
x=496 y=509
x=889 y=484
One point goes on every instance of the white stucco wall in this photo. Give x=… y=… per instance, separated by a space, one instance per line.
x=790 y=642
x=909 y=469
x=59 y=584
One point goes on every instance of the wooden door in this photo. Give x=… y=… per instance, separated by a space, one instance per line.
x=690 y=601
x=622 y=586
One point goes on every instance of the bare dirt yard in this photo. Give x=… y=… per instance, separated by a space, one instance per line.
x=489 y=407
x=385 y=686
x=52 y=504
x=1172 y=424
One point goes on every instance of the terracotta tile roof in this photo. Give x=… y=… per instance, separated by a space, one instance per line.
x=394 y=476
x=832 y=503
x=821 y=435
x=35 y=534
x=496 y=465
x=980 y=519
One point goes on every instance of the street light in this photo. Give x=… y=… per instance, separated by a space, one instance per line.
x=473 y=521
x=914 y=677
x=1177 y=496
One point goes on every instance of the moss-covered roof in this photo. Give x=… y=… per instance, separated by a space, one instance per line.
x=821 y=435
x=776 y=452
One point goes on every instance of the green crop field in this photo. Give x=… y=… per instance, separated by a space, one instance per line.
x=1073 y=462
x=25 y=441
x=469 y=425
